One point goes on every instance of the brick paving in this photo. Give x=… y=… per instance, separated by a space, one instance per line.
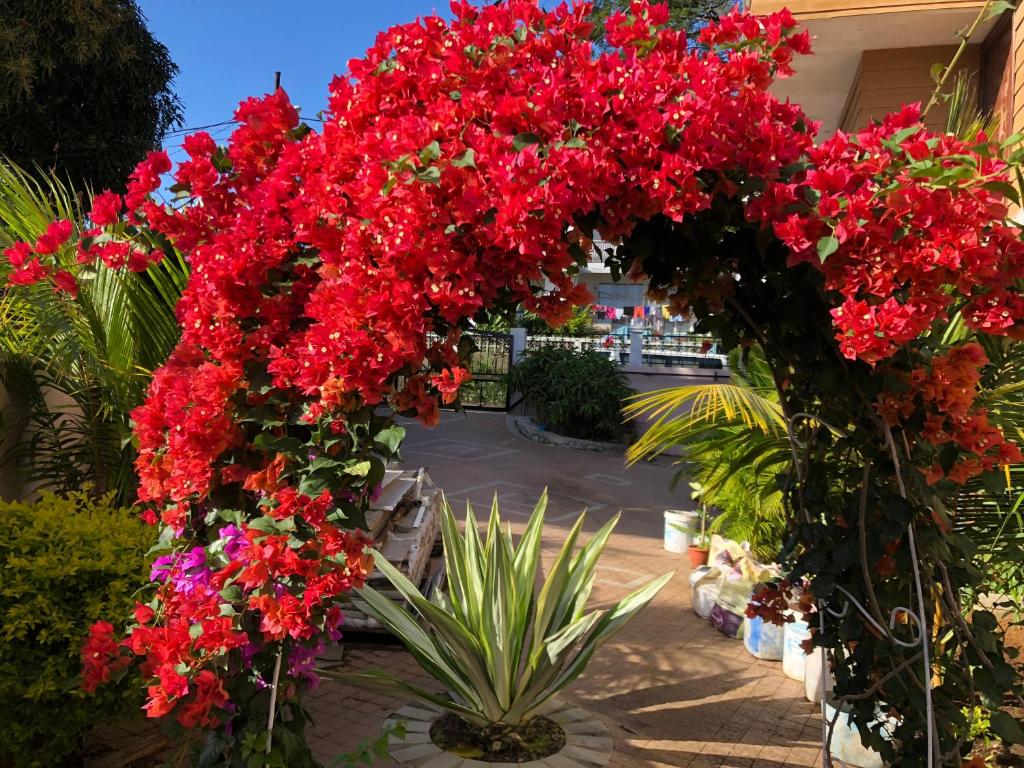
x=673 y=692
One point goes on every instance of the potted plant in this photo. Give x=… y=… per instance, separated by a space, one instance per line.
x=698 y=550
x=500 y=646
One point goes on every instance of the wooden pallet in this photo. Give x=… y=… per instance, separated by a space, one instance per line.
x=405 y=524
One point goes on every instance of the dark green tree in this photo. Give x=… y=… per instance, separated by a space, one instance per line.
x=683 y=14
x=85 y=88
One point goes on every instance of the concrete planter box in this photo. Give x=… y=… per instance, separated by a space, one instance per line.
x=587 y=742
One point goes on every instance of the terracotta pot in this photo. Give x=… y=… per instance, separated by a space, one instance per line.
x=698 y=556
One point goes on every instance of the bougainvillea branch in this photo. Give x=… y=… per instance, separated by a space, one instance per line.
x=464 y=166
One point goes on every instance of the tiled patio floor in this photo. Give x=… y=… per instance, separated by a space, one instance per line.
x=672 y=690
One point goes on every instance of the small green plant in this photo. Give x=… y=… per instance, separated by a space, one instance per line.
x=66 y=563
x=574 y=393
x=497 y=644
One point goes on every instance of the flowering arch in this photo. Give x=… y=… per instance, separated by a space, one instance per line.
x=461 y=167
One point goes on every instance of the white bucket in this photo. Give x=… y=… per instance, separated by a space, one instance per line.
x=762 y=639
x=846 y=744
x=816 y=683
x=676 y=540
x=794 y=660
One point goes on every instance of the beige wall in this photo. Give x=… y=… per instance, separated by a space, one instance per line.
x=813 y=9
x=889 y=78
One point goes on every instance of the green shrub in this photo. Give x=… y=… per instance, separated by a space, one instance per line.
x=64 y=564
x=577 y=394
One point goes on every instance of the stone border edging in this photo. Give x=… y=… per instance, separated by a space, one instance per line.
x=588 y=744
x=525 y=426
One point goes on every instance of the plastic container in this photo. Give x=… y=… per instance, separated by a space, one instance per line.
x=698 y=573
x=794 y=660
x=677 y=540
x=763 y=639
x=846 y=744
x=705 y=592
x=816 y=683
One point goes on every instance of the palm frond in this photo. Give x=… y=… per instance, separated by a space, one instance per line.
x=78 y=367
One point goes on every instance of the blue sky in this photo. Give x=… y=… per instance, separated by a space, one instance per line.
x=227 y=50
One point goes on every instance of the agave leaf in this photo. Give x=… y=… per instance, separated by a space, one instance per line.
x=498 y=613
x=474 y=569
x=521 y=650
x=431 y=657
x=385 y=683
x=463 y=644
x=456 y=566
x=610 y=623
x=581 y=578
x=551 y=594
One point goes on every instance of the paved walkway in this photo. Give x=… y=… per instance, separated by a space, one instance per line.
x=672 y=690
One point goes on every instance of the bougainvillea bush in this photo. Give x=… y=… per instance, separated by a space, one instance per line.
x=463 y=166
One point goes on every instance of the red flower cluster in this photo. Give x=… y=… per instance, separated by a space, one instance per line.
x=946 y=391
x=897 y=216
x=101 y=656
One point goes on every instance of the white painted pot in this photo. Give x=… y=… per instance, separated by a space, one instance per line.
x=762 y=638
x=846 y=744
x=676 y=540
x=587 y=742
x=816 y=681
x=794 y=660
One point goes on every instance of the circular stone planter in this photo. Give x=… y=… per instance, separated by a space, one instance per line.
x=529 y=429
x=587 y=742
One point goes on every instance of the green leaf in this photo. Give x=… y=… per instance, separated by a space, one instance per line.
x=998 y=8
x=466 y=160
x=429 y=175
x=430 y=153
x=937 y=70
x=324 y=462
x=523 y=140
x=1004 y=188
x=359 y=469
x=827 y=246
x=390 y=439
x=1006 y=728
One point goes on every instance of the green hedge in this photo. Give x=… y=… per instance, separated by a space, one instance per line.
x=64 y=564
x=574 y=393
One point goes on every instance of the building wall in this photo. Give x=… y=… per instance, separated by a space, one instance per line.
x=995 y=86
x=811 y=9
x=1017 y=83
x=890 y=78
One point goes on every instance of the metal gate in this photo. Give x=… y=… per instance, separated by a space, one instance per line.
x=488 y=389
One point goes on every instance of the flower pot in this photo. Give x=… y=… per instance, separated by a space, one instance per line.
x=677 y=523
x=587 y=742
x=698 y=556
x=794 y=660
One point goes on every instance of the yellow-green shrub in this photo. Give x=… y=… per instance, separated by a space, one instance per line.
x=64 y=564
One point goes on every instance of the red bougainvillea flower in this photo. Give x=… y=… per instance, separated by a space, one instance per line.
x=54 y=237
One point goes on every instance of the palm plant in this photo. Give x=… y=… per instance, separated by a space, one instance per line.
x=734 y=443
x=497 y=644
x=74 y=368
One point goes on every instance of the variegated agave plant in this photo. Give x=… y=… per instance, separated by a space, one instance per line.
x=500 y=645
